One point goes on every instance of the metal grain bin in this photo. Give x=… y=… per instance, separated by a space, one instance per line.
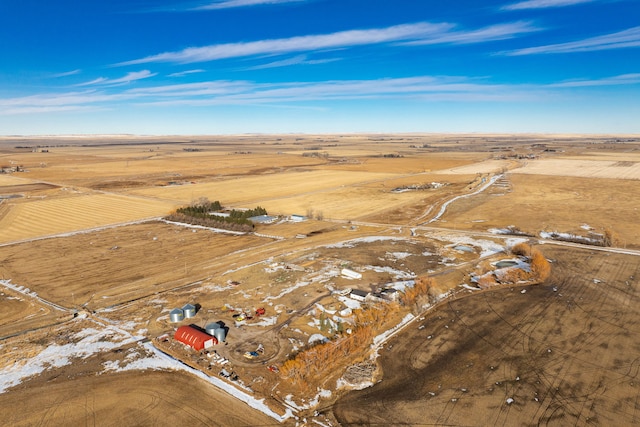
x=189 y=311
x=176 y=315
x=220 y=334
x=211 y=328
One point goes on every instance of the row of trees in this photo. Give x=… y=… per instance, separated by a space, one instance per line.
x=202 y=212
x=311 y=365
x=247 y=213
x=202 y=207
x=224 y=223
x=317 y=362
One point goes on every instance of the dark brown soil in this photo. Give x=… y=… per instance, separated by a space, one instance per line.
x=566 y=352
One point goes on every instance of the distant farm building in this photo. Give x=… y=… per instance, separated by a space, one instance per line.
x=263 y=219
x=358 y=295
x=350 y=274
x=194 y=338
x=297 y=218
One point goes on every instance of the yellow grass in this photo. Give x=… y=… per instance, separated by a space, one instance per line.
x=261 y=189
x=6 y=179
x=488 y=166
x=34 y=218
x=344 y=203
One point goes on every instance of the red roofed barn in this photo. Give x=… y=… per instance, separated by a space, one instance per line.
x=195 y=338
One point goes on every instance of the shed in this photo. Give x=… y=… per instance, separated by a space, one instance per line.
x=194 y=338
x=350 y=274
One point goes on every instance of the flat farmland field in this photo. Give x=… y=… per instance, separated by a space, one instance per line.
x=89 y=273
x=133 y=398
x=118 y=264
x=32 y=218
x=564 y=353
x=256 y=189
x=611 y=169
x=555 y=203
x=483 y=167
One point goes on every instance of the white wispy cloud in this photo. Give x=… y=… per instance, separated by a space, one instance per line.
x=186 y=73
x=228 y=4
x=417 y=33
x=296 y=60
x=130 y=77
x=622 y=39
x=623 y=79
x=300 y=93
x=241 y=92
x=339 y=39
x=542 y=4
x=68 y=73
x=490 y=33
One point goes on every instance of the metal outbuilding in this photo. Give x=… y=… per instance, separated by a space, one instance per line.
x=350 y=274
x=176 y=315
x=211 y=328
x=189 y=311
x=194 y=338
x=220 y=334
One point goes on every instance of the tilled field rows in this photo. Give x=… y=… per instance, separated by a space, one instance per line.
x=582 y=168
x=562 y=353
x=37 y=218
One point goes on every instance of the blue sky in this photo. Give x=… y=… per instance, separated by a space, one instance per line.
x=268 y=66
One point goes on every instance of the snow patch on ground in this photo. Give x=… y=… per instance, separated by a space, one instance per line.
x=487 y=247
x=200 y=227
x=214 y=288
x=342 y=383
x=310 y=404
x=317 y=338
x=398 y=274
x=399 y=255
x=266 y=321
x=354 y=242
x=89 y=341
x=349 y=302
x=443 y=209
x=388 y=333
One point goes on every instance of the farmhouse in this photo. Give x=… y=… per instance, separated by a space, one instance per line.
x=194 y=338
x=358 y=295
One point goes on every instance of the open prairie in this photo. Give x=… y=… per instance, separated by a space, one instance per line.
x=89 y=269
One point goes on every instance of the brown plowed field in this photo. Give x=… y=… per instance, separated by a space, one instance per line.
x=566 y=352
x=152 y=398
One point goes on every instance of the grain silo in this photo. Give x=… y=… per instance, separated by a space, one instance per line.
x=189 y=311
x=220 y=334
x=211 y=328
x=176 y=315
